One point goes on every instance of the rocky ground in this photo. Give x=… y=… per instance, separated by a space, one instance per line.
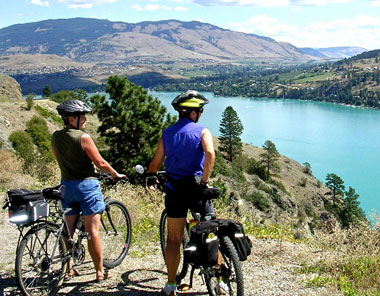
x=270 y=270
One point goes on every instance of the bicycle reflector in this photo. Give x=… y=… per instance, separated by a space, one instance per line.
x=17 y=217
x=211 y=237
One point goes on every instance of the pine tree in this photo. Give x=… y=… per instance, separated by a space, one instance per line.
x=269 y=156
x=47 y=92
x=336 y=185
x=131 y=124
x=230 y=130
x=351 y=213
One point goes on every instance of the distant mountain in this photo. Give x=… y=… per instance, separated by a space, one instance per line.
x=333 y=53
x=106 y=42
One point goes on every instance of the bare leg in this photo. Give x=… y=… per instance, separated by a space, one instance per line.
x=71 y=222
x=172 y=252
x=91 y=225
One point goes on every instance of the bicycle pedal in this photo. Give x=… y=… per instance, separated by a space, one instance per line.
x=86 y=235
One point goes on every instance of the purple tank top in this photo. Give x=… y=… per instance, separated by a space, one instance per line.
x=183 y=148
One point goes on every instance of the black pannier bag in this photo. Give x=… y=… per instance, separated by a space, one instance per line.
x=19 y=196
x=25 y=206
x=202 y=249
x=235 y=231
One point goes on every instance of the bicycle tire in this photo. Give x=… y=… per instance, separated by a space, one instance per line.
x=37 y=272
x=233 y=276
x=183 y=267
x=115 y=233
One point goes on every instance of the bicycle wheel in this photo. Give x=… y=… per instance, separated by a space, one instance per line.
x=183 y=267
x=115 y=233
x=232 y=275
x=40 y=261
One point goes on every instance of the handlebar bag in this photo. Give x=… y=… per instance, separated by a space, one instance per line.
x=203 y=247
x=235 y=231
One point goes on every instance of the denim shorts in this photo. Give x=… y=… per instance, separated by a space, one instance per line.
x=83 y=195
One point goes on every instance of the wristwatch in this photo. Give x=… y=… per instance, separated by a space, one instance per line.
x=203 y=183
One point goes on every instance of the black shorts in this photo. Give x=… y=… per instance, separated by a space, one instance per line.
x=178 y=203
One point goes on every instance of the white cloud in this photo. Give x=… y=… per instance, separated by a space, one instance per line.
x=315 y=2
x=40 y=3
x=264 y=25
x=84 y=3
x=180 y=8
x=181 y=1
x=361 y=31
x=375 y=3
x=150 y=7
x=268 y=3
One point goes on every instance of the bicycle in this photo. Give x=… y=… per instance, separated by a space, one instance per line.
x=233 y=274
x=44 y=247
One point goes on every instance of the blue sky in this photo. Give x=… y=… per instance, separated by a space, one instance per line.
x=303 y=23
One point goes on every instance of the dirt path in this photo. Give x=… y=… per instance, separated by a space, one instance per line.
x=269 y=271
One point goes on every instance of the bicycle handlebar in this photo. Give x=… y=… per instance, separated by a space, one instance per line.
x=205 y=193
x=140 y=170
x=105 y=177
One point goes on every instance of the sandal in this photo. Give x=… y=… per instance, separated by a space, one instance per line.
x=105 y=275
x=73 y=272
x=184 y=287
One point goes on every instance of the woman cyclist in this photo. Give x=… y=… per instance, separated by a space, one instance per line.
x=76 y=154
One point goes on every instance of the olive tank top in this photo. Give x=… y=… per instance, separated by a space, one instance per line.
x=72 y=159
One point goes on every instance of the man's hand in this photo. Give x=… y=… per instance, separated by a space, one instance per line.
x=152 y=182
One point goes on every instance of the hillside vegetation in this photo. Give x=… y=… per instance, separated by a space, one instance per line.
x=353 y=81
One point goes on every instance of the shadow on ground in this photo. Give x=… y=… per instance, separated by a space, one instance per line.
x=134 y=283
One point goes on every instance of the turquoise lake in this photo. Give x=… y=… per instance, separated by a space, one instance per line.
x=332 y=138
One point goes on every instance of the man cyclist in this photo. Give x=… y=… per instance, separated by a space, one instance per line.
x=188 y=151
x=76 y=154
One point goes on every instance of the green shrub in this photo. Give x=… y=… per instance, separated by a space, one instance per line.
x=66 y=95
x=237 y=172
x=279 y=185
x=38 y=130
x=309 y=211
x=62 y=96
x=251 y=166
x=22 y=143
x=29 y=101
x=276 y=198
x=45 y=113
x=258 y=200
x=223 y=200
x=220 y=166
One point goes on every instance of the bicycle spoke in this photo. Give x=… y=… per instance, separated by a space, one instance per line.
x=38 y=270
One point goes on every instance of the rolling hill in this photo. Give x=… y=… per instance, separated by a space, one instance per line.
x=106 y=42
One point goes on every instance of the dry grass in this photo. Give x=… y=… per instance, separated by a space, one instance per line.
x=349 y=260
x=11 y=169
x=145 y=208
